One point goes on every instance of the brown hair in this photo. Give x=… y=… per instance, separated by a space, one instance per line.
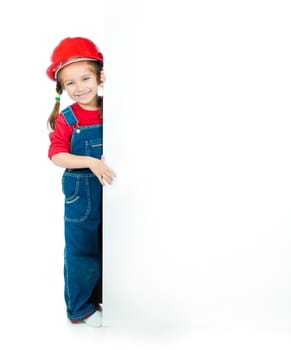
x=51 y=122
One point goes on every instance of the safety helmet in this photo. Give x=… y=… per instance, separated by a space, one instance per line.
x=71 y=50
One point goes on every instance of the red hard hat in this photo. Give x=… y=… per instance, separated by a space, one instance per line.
x=72 y=50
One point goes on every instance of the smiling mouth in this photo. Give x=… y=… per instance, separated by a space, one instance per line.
x=84 y=94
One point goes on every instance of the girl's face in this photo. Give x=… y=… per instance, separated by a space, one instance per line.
x=80 y=81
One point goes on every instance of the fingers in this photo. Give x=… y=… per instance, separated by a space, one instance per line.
x=105 y=178
x=108 y=176
x=110 y=173
x=100 y=178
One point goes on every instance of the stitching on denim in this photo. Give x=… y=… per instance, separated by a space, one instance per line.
x=75 y=195
x=88 y=198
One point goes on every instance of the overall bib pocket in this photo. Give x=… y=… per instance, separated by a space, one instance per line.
x=94 y=148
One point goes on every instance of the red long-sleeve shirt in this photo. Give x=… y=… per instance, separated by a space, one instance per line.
x=60 y=138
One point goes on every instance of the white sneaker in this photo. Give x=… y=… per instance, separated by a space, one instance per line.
x=95 y=320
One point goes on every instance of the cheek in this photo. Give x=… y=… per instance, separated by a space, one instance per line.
x=69 y=90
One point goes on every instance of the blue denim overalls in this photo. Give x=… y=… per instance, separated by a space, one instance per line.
x=83 y=223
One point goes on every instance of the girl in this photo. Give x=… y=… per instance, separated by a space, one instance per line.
x=76 y=145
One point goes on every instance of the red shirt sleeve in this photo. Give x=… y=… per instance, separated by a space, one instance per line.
x=60 y=138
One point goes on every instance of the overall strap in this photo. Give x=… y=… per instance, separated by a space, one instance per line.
x=69 y=116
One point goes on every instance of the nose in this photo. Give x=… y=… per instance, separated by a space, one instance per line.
x=79 y=86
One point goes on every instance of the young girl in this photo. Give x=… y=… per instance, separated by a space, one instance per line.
x=76 y=145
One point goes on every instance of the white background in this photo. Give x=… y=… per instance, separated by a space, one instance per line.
x=31 y=242
x=197 y=224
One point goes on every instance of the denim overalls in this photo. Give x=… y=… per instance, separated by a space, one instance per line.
x=83 y=223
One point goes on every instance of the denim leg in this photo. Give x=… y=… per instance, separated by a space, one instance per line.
x=82 y=258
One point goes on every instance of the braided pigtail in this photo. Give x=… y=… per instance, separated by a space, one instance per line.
x=51 y=122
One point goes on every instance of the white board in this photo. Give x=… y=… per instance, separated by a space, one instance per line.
x=197 y=127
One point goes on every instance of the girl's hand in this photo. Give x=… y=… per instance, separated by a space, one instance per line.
x=103 y=172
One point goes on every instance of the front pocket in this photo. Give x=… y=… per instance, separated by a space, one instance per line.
x=94 y=148
x=77 y=197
